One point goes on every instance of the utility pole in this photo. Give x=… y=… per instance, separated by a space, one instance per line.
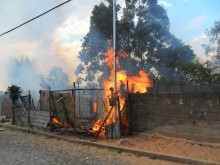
x=114 y=49
x=117 y=128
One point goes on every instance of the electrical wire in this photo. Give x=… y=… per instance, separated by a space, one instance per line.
x=34 y=18
x=73 y=49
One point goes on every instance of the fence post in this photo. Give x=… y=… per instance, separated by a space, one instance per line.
x=50 y=110
x=119 y=117
x=79 y=101
x=74 y=104
x=13 y=113
x=128 y=117
x=29 y=107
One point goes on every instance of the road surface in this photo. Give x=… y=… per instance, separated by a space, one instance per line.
x=18 y=148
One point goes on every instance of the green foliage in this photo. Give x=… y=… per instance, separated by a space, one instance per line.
x=206 y=72
x=199 y=73
x=214 y=37
x=14 y=92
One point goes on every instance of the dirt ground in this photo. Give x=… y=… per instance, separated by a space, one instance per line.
x=173 y=146
x=21 y=148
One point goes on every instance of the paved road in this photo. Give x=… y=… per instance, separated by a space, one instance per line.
x=17 y=148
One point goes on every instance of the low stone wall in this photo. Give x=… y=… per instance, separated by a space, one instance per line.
x=6 y=107
x=187 y=107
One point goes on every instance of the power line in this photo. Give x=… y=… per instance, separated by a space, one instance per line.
x=34 y=18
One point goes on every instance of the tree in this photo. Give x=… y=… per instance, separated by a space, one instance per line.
x=147 y=42
x=14 y=93
x=206 y=72
x=95 y=45
x=155 y=46
x=57 y=79
x=214 y=38
x=200 y=71
x=214 y=35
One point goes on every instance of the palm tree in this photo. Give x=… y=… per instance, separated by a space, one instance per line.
x=14 y=93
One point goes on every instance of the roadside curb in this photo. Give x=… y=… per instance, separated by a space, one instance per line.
x=152 y=155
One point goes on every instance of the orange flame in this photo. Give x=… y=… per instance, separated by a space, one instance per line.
x=95 y=105
x=97 y=125
x=55 y=120
x=137 y=83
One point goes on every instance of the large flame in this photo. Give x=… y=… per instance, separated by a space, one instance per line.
x=137 y=83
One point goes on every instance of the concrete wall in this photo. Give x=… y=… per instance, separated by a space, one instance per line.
x=164 y=109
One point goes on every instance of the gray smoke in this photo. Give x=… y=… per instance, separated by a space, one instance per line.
x=23 y=73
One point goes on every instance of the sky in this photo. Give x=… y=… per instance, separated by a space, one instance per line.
x=55 y=39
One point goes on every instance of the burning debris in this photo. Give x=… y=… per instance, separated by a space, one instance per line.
x=99 y=112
